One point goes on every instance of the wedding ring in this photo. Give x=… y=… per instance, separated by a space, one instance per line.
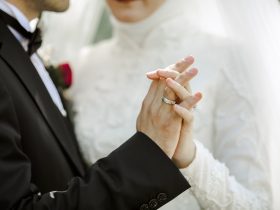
x=167 y=101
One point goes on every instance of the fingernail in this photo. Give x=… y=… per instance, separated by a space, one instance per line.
x=198 y=96
x=193 y=71
x=151 y=73
x=189 y=59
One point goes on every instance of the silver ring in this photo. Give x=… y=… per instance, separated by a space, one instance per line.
x=167 y=101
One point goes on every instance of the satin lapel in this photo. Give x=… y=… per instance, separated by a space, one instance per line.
x=12 y=52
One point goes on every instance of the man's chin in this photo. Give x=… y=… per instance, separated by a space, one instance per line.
x=60 y=10
x=61 y=7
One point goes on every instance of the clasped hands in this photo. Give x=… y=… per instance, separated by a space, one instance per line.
x=170 y=126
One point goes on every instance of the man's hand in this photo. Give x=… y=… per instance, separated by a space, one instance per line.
x=178 y=89
x=158 y=120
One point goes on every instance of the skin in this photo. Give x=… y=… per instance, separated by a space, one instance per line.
x=170 y=127
x=131 y=11
x=33 y=8
x=182 y=152
x=171 y=83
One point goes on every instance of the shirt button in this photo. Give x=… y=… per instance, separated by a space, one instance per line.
x=162 y=197
x=144 y=207
x=153 y=203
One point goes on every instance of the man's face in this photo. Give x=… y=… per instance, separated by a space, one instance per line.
x=50 y=5
x=133 y=10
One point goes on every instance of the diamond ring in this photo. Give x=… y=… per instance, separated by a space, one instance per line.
x=167 y=101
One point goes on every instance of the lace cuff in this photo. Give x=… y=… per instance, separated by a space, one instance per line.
x=206 y=176
x=215 y=189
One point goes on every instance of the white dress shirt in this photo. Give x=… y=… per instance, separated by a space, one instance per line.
x=38 y=64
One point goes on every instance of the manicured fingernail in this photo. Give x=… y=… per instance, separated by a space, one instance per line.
x=198 y=96
x=193 y=71
x=189 y=59
x=151 y=73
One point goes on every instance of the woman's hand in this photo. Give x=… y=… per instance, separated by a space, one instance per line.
x=185 y=151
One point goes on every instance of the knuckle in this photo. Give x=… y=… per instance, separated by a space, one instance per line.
x=179 y=64
x=169 y=94
x=186 y=97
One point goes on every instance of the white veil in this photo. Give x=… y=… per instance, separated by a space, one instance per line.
x=255 y=26
x=66 y=33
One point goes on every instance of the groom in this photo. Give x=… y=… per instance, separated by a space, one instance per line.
x=40 y=163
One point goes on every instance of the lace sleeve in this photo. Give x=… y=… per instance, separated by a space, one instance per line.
x=235 y=175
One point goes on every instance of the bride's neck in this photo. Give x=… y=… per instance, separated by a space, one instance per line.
x=138 y=32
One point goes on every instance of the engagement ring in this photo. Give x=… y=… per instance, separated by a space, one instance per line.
x=167 y=101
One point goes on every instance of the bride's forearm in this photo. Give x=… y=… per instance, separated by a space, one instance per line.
x=215 y=188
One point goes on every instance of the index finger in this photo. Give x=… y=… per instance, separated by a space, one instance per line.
x=171 y=70
x=182 y=65
x=183 y=80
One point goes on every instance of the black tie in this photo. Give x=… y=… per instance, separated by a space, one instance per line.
x=35 y=38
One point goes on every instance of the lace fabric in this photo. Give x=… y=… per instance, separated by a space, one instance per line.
x=215 y=188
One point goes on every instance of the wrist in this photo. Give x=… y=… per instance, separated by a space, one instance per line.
x=185 y=160
x=167 y=149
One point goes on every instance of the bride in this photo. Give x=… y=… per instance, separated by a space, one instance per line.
x=230 y=170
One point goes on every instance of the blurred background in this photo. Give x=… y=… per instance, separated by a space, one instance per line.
x=66 y=42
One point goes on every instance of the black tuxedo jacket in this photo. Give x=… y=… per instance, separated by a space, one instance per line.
x=39 y=152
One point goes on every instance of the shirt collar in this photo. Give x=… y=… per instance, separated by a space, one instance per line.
x=16 y=13
x=21 y=18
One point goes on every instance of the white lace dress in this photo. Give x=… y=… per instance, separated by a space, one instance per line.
x=229 y=170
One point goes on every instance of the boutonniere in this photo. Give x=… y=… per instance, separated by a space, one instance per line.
x=61 y=75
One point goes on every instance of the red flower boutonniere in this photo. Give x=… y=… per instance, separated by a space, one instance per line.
x=61 y=75
x=66 y=71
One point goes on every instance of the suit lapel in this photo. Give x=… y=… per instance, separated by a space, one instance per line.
x=15 y=56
